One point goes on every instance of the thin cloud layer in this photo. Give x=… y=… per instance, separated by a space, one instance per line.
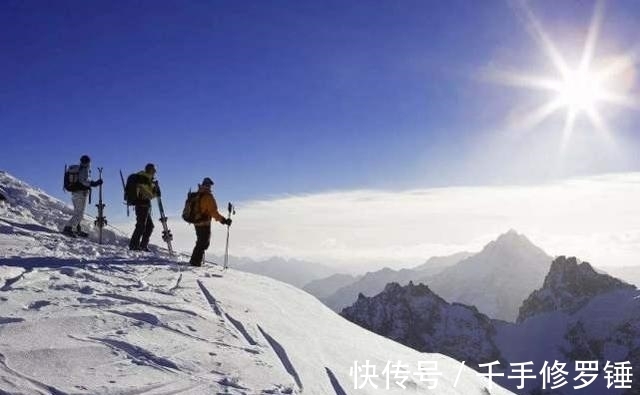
x=594 y=218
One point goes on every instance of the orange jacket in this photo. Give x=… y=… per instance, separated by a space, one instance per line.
x=208 y=208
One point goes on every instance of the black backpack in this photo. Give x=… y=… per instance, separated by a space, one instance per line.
x=131 y=189
x=191 y=212
x=72 y=179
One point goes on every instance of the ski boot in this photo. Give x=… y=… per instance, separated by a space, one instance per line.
x=80 y=233
x=67 y=231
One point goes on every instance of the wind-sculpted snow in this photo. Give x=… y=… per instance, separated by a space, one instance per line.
x=126 y=336
x=82 y=318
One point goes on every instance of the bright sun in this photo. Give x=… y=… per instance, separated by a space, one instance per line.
x=578 y=91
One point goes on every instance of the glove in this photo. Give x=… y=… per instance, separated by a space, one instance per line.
x=96 y=183
x=226 y=221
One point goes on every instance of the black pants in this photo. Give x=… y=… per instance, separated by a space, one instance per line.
x=143 y=230
x=203 y=235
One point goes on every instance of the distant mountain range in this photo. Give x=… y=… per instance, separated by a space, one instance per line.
x=374 y=282
x=292 y=271
x=496 y=280
x=577 y=314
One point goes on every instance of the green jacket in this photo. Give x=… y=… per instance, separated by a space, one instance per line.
x=146 y=188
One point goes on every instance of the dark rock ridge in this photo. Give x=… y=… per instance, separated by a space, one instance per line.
x=569 y=285
x=416 y=317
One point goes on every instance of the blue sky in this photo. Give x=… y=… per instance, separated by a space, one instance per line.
x=273 y=98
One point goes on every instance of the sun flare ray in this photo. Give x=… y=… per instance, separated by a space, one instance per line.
x=538 y=33
x=570 y=120
x=580 y=90
x=538 y=115
x=521 y=80
x=592 y=37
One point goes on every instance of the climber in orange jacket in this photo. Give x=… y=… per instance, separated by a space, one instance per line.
x=207 y=209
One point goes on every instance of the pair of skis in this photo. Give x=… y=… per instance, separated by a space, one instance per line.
x=167 y=236
x=101 y=220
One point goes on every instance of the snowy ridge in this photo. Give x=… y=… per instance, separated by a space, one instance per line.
x=82 y=318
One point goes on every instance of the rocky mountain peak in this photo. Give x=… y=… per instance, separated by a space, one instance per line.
x=417 y=317
x=568 y=286
x=511 y=240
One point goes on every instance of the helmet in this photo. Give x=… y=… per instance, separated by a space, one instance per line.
x=84 y=159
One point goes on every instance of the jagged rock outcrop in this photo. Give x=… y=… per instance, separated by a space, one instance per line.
x=415 y=316
x=569 y=285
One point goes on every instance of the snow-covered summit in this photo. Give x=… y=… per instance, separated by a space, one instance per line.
x=511 y=245
x=497 y=279
x=81 y=318
x=568 y=286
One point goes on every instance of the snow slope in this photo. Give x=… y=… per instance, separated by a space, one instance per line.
x=81 y=318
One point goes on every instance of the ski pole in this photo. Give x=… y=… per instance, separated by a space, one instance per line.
x=226 y=249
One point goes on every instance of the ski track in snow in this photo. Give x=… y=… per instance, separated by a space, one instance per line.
x=138 y=354
x=282 y=355
x=210 y=299
x=134 y=300
x=155 y=321
x=334 y=382
x=238 y=325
